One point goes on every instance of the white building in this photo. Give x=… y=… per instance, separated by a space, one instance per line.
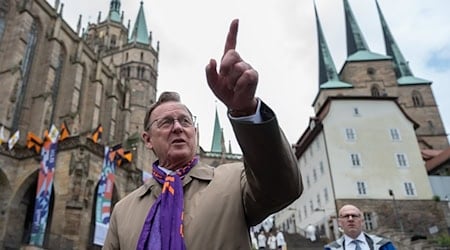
x=355 y=151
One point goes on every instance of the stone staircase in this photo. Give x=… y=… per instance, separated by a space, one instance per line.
x=298 y=242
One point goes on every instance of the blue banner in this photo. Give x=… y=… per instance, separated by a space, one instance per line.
x=43 y=192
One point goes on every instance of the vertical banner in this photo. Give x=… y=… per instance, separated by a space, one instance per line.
x=104 y=197
x=44 y=188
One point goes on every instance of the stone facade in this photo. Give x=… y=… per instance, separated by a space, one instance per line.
x=51 y=74
x=377 y=78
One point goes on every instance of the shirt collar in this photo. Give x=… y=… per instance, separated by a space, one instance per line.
x=361 y=239
x=200 y=171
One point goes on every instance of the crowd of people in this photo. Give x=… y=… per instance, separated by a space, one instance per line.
x=274 y=239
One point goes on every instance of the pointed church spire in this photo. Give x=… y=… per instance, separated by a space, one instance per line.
x=114 y=11
x=328 y=77
x=402 y=70
x=140 y=31
x=217 y=140
x=357 y=49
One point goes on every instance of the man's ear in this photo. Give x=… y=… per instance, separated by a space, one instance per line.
x=147 y=140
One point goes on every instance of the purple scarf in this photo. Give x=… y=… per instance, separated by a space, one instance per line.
x=163 y=227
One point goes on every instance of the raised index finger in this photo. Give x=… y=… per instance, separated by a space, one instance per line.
x=232 y=36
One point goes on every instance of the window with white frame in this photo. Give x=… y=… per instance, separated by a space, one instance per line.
x=350 y=134
x=410 y=190
x=362 y=187
x=325 y=195
x=306 y=211
x=401 y=160
x=308 y=182
x=356 y=159
x=319 y=202
x=315 y=175
x=368 y=221
x=395 y=134
x=311 y=206
x=321 y=168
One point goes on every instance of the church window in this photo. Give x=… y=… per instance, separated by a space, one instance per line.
x=113 y=41
x=4 y=6
x=370 y=71
x=25 y=71
x=375 y=91
x=57 y=82
x=417 y=99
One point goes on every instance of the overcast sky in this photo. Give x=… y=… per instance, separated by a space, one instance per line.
x=279 y=39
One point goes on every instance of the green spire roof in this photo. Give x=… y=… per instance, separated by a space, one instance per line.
x=402 y=69
x=140 y=31
x=114 y=11
x=328 y=77
x=217 y=140
x=357 y=49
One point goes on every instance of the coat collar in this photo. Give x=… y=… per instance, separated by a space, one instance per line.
x=200 y=171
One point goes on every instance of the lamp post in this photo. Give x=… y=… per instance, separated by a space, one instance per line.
x=391 y=193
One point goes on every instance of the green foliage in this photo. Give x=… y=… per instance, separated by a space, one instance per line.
x=436 y=198
x=443 y=240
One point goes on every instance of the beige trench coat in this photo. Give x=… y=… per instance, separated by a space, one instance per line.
x=221 y=203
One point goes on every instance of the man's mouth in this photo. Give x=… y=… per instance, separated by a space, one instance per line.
x=178 y=141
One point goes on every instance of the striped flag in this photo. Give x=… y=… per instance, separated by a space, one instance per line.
x=119 y=154
x=33 y=141
x=97 y=135
x=13 y=140
x=44 y=187
x=64 y=132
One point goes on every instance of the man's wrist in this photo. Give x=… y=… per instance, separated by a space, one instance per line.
x=240 y=113
x=247 y=111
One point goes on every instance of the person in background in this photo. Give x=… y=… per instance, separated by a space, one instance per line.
x=281 y=243
x=351 y=221
x=261 y=240
x=190 y=205
x=272 y=241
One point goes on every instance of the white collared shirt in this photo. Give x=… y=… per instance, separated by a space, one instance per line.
x=361 y=240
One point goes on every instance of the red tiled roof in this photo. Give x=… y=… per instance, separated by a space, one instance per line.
x=438 y=159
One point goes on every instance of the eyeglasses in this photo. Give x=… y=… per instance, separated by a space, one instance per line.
x=347 y=216
x=167 y=122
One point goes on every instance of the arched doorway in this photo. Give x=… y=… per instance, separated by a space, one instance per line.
x=20 y=214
